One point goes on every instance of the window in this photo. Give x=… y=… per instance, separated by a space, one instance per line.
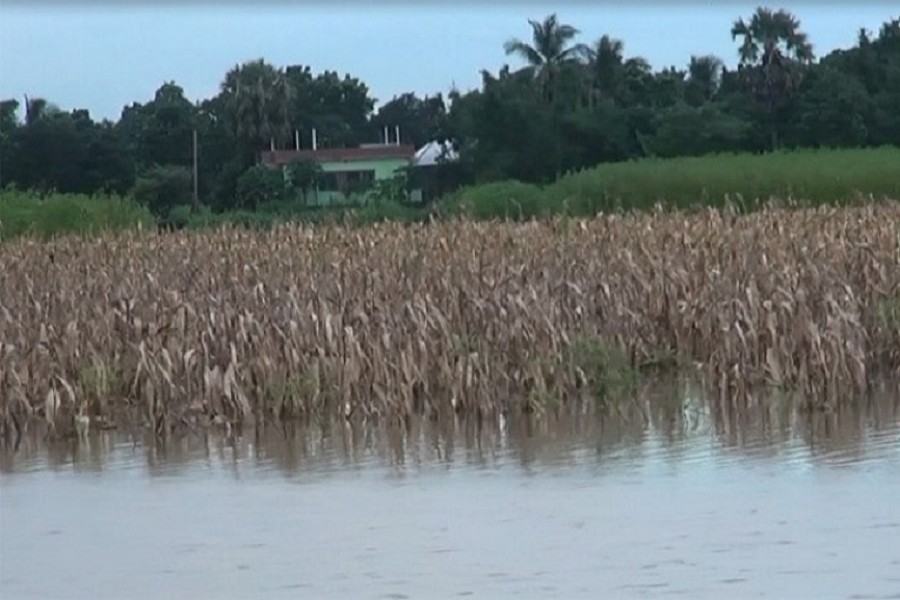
x=360 y=177
x=346 y=182
x=328 y=182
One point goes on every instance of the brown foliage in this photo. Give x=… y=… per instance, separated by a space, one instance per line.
x=233 y=325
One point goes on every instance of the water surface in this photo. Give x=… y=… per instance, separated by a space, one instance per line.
x=658 y=499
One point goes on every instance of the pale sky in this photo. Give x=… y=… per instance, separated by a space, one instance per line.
x=100 y=56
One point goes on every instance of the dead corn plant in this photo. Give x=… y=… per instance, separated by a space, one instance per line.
x=191 y=329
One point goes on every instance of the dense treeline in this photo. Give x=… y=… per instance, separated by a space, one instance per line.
x=571 y=106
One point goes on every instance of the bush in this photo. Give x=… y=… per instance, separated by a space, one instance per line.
x=304 y=175
x=389 y=210
x=508 y=199
x=46 y=216
x=260 y=185
x=162 y=187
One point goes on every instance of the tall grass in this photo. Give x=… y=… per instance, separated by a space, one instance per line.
x=803 y=177
x=48 y=216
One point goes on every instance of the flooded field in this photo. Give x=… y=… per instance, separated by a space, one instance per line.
x=658 y=499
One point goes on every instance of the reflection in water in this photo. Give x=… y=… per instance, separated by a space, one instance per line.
x=670 y=423
x=666 y=495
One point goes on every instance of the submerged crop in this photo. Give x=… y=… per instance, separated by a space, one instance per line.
x=220 y=327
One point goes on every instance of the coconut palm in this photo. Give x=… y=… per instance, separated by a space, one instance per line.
x=606 y=63
x=549 y=51
x=772 y=54
x=704 y=78
x=614 y=77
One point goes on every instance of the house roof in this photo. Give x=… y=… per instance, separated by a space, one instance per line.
x=385 y=152
x=431 y=153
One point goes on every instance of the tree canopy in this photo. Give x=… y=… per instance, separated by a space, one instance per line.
x=567 y=105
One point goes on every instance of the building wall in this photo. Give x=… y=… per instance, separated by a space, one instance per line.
x=383 y=168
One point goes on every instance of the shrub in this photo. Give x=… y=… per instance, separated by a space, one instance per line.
x=162 y=187
x=27 y=213
x=508 y=199
x=260 y=185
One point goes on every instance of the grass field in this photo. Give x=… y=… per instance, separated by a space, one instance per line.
x=232 y=325
x=807 y=177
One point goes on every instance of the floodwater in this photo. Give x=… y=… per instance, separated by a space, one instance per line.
x=661 y=498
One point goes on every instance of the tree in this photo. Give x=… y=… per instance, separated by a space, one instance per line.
x=257 y=102
x=875 y=64
x=8 y=120
x=685 y=130
x=704 y=79
x=163 y=187
x=568 y=107
x=626 y=82
x=38 y=108
x=601 y=134
x=304 y=175
x=773 y=56
x=421 y=120
x=108 y=164
x=606 y=63
x=8 y=125
x=665 y=88
x=159 y=132
x=516 y=130
x=829 y=110
x=549 y=50
x=260 y=185
x=338 y=108
x=66 y=152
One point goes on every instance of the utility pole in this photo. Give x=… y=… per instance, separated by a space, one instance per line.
x=195 y=201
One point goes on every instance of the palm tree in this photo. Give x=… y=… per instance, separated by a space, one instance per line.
x=549 y=51
x=704 y=78
x=770 y=37
x=606 y=63
x=612 y=75
x=772 y=54
x=258 y=104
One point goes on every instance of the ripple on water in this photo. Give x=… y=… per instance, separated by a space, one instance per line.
x=642 y=499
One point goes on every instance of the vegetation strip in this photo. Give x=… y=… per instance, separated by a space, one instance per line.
x=480 y=318
x=569 y=100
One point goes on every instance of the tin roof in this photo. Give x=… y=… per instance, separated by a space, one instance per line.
x=432 y=152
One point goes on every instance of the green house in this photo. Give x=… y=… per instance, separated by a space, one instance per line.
x=347 y=172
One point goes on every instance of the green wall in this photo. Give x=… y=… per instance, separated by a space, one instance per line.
x=383 y=168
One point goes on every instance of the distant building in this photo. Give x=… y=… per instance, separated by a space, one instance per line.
x=349 y=173
x=346 y=171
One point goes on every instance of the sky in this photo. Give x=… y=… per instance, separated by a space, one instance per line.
x=102 y=56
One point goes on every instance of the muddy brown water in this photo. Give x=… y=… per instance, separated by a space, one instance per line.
x=660 y=499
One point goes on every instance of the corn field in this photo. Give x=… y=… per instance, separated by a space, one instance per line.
x=226 y=327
